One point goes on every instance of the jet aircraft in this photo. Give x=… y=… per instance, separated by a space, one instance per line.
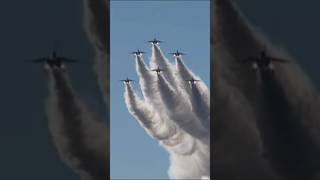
x=192 y=81
x=155 y=41
x=127 y=81
x=54 y=61
x=158 y=70
x=263 y=60
x=138 y=52
x=177 y=53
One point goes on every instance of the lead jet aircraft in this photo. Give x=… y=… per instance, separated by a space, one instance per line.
x=263 y=61
x=155 y=41
x=54 y=61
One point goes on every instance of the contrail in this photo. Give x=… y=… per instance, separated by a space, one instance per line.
x=199 y=106
x=96 y=25
x=289 y=146
x=147 y=81
x=174 y=98
x=169 y=135
x=78 y=138
x=81 y=141
x=158 y=59
x=167 y=110
x=282 y=103
x=167 y=94
x=179 y=111
x=155 y=97
x=152 y=123
x=199 y=95
x=182 y=147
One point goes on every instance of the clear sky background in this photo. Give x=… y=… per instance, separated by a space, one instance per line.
x=182 y=25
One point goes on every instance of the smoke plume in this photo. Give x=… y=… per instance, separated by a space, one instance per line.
x=168 y=112
x=274 y=120
x=82 y=141
x=77 y=136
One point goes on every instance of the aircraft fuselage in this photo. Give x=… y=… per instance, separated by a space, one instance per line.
x=54 y=62
x=263 y=61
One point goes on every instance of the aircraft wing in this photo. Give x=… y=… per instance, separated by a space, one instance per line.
x=278 y=60
x=141 y=52
x=68 y=60
x=125 y=80
x=157 y=70
x=153 y=41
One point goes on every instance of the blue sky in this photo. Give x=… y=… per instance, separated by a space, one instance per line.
x=182 y=25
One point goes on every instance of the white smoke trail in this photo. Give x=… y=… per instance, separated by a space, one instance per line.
x=81 y=141
x=167 y=106
x=78 y=138
x=159 y=60
x=179 y=111
x=174 y=98
x=152 y=123
x=185 y=74
x=147 y=82
x=289 y=113
x=150 y=90
x=96 y=22
x=198 y=93
x=182 y=147
x=171 y=138
x=199 y=106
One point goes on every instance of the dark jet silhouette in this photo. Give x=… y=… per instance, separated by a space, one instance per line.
x=54 y=61
x=263 y=61
x=155 y=41
x=138 y=52
x=177 y=53
x=127 y=81
x=192 y=81
x=158 y=70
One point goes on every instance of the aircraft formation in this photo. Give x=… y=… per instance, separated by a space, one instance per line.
x=158 y=70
